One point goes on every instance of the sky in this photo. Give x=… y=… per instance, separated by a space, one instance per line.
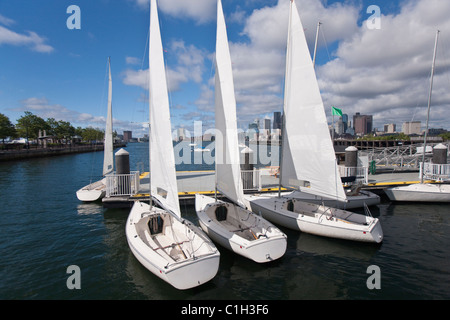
x=375 y=61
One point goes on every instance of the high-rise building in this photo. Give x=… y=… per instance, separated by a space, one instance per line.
x=390 y=128
x=411 y=127
x=253 y=126
x=340 y=126
x=127 y=136
x=345 y=122
x=267 y=124
x=277 y=120
x=362 y=123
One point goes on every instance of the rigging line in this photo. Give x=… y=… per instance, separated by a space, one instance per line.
x=105 y=81
x=429 y=75
x=444 y=62
x=336 y=171
x=329 y=58
x=189 y=230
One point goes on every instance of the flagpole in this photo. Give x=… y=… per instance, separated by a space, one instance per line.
x=332 y=122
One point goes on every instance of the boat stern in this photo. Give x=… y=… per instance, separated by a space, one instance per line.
x=376 y=232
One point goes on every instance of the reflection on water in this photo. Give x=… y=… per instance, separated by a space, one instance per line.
x=45 y=229
x=335 y=247
x=89 y=208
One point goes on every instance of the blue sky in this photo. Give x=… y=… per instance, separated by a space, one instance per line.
x=55 y=72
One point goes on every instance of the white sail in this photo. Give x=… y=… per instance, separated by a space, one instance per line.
x=162 y=161
x=228 y=172
x=308 y=158
x=108 y=158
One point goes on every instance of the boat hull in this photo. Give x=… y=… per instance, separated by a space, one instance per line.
x=183 y=274
x=92 y=192
x=267 y=244
x=420 y=192
x=363 y=197
x=316 y=219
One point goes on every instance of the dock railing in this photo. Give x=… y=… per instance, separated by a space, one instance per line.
x=438 y=172
x=361 y=174
x=258 y=178
x=122 y=184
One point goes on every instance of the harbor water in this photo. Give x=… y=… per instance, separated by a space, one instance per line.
x=45 y=229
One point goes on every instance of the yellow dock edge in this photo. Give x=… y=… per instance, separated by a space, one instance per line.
x=191 y=193
x=381 y=184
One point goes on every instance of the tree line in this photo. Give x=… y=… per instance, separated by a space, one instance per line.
x=29 y=125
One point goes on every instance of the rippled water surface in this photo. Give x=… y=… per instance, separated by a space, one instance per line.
x=44 y=229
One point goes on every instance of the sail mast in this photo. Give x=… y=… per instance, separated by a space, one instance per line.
x=163 y=185
x=315 y=45
x=108 y=158
x=308 y=160
x=283 y=117
x=429 y=104
x=228 y=171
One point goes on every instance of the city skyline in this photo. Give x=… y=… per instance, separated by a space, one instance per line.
x=374 y=62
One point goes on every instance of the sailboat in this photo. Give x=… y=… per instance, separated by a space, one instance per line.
x=308 y=160
x=97 y=190
x=169 y=246
x=422 y=192
x=230 y=223
x=356 y=197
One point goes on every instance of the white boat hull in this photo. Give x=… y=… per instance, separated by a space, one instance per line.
x=92 y=192
x=318 y=219
x=420 y=192
x=179 y=253
x=242 y=231
x=363 y=197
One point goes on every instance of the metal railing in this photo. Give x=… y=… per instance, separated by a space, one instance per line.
x=401 y=157
x=257 y=179
x=122 y=184
x=438 y=172
x=361 y=174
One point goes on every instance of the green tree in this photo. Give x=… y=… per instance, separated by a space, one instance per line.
x=79 y=131
x=91 y=134
x=29 y=125
x=445 y=136
x=7 y=129
x=60 y=129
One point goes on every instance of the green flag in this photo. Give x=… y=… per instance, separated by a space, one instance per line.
x=336 y=111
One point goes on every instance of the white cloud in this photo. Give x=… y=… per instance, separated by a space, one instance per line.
x=189 y=66
x=380 y=72
x=31 y=39
x=201 y=11
x=6 y=21
x=259 y=64
x=386 y=72
x=132 y=60
x=136 y=78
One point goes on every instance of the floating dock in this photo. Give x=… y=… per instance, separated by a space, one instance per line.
x=192 y=182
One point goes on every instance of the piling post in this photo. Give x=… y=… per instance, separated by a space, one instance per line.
x=122 y=171
x=351 y=164
x=247 y=168
x=440 y=154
